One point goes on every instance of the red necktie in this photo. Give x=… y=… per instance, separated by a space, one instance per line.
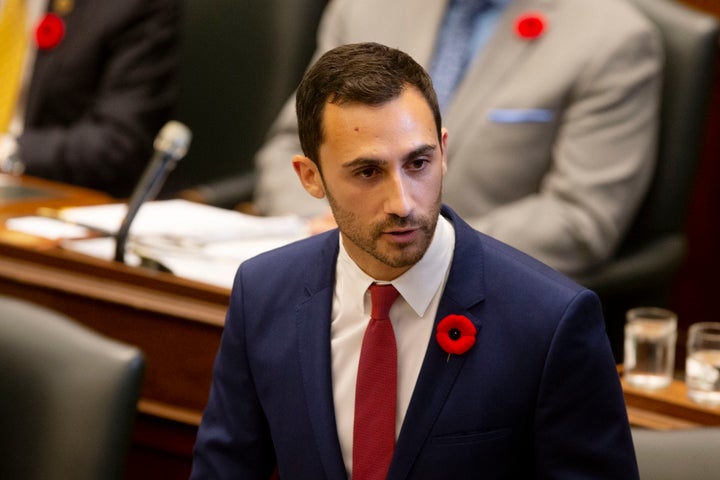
x=376 y=391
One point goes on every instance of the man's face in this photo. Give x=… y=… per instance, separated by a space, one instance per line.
x=382 y=171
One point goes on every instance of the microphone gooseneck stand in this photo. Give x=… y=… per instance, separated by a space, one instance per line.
x=170 y=145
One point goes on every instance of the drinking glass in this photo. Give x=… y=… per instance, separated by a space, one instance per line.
x=649 y=355
x=702 y=364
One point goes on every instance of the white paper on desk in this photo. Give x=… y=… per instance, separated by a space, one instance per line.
x=46 y=227
x=103 y=247
x=185 y=222
x=192 y=240
x=214 y=263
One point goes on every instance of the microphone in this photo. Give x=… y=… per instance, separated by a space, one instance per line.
x=170 y=146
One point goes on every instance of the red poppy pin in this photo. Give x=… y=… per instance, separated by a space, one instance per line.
x=49 y=32
x=530 y=26
x=456 y=334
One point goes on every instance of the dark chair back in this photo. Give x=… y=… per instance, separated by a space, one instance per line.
x=691 y=48
x=240 y=61
x=654 y=248
x=67 y=395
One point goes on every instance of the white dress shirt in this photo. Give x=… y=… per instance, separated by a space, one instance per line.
x=412 y=316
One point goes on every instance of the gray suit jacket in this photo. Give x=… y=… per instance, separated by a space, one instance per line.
x=563 y=187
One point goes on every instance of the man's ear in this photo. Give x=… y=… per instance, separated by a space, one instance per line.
x=309 y=175
x=444 y=140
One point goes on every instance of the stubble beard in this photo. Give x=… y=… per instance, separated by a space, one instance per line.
x=369 y=238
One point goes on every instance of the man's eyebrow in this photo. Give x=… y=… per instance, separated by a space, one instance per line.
x=364 y=162
x=421 y=150
x=374 y=162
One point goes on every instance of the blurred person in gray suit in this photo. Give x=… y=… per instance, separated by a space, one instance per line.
x=552 y=115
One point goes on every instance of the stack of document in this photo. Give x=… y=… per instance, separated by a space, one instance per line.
x=191 y=240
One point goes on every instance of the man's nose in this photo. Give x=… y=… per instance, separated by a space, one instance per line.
x=398 y=200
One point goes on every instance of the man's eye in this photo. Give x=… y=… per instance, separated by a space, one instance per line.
x=418 y=164
x=366 y=172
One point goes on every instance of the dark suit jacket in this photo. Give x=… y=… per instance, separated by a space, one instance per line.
x=98 y=98
x=537 y=396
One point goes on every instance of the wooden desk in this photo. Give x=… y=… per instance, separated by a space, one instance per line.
x=176 y=322
x=667 y=408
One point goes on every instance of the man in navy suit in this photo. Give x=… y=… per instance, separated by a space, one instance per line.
x=536 y=395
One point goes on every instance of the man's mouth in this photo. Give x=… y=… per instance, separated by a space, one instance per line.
x=402 y=234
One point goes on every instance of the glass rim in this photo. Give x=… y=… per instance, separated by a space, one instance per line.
x=651 y=313
x=706 y=329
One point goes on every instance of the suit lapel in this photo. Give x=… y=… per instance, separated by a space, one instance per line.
x=503 y=51
x=313 y=325
x=47 y=62
x=465 y=289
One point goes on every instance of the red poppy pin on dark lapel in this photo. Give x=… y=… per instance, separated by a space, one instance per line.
x=530 y=26
x=49 y=32
x=455 y=334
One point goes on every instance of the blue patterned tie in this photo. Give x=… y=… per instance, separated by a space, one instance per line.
x=453 y=49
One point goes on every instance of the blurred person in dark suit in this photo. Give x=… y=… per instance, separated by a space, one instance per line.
x=96 y=84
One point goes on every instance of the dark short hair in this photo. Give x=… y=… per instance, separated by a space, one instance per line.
x=366 y=73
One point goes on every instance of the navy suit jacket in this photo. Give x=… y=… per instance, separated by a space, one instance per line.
x=537 y=396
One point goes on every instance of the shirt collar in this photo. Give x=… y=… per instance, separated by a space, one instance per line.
x=421 y=282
